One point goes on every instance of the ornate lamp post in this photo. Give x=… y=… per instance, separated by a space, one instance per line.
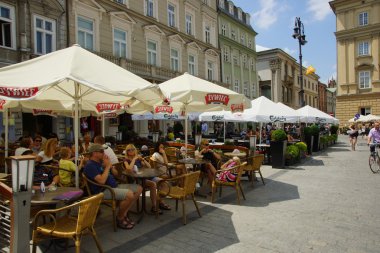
x=299 y=33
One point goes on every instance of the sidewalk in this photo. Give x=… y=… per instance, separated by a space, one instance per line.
x=330 y=203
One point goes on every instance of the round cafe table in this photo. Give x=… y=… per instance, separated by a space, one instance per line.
x=142 y=175
x=196 y=162
x=232 y=154
x=51 y=197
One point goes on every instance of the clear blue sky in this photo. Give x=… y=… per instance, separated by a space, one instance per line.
x=273 y=20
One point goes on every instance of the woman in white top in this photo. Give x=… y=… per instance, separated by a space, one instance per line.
x=46 y=156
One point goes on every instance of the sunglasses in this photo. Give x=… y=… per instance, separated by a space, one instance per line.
x=131 y=149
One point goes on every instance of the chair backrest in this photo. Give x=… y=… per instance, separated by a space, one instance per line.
x=190 y=181
x=240 y=170
x=86 y=184
x=87 y=212
x=171 y=153
x=257 y=161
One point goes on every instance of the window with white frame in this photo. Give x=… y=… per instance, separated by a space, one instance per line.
x=149 y=8
x=207 y=34
x=250 y=43
x=365 y=110
x=189 y=24
x=363 y=48
x=224 y=29
x=227 y=79
x=363 y=18
x=121 y=1
x=152 y=52
x=120 y=43
x=192 y=65
x=233 y=34
x=364 y=80
x=244 y=59
x=231 y=8
x=171 y=15
x=44 y=35
x=86 y=33
x=253 y=65
x=174 y=59
x=210 y=70
x=245 y=89
x=253 y=90
x=236 y=60
x=242 y=39
x=7 y=26
x=236 y=86
x=226 y=54
x=221 y=4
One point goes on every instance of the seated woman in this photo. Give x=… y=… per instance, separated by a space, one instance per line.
x=46 y=156
x=132 y=159
x=159 y=156
x=228 y=175
x=210 y=155
x=26 y=144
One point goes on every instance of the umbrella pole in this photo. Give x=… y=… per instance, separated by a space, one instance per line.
x=5 y=113
x=224 y=131
x=186 y=131
x=76 y=134
x=103 y=126
x=261 y=129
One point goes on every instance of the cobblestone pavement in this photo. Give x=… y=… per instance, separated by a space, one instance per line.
x=329 y=203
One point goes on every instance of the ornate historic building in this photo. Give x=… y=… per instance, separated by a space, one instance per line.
x=278 y=79
x=358 y=51
x=238 y=49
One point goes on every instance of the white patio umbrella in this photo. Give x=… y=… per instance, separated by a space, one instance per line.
x=289 y=111
x=187 y=93
x=310 y=114
x=77 y=76
x=369 y=118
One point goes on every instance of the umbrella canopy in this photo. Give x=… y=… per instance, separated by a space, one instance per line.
x=187 y=93
x=265 y=110
x=310 y=114
x=73 y=77
x=369 y=118
x=289 y=111
x=164 y=116
x=222 y=116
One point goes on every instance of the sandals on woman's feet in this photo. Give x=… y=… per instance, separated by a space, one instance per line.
x=154 y=210
x=128 y=220
x=165 y=206
x=123 y=224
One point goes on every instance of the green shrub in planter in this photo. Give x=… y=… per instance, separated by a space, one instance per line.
x=334 y=129
x=324 y=139
x=279 y=135
x=335 y=137
x=314 y=130
x=307 y=131
x=301 y=146
x=292 y=151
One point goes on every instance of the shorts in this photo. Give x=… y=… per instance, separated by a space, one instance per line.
x=121 y=191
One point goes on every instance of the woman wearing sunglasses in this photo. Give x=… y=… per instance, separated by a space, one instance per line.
x=132 y=159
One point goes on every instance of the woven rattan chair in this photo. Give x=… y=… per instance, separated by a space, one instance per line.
x=69 y=226
x=236 y=185
x=254 y=166
x=108 y=202
x=179 y=192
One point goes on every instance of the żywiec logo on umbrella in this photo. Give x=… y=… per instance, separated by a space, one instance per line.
x=108 y=107
x=217 y=98
x=14 y=92
x=163 y=109
x=277 y=118
x=37 y=112
x=237 y=107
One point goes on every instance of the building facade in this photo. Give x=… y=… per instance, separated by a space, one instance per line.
x=358 y=52
x=278 y=79
x=238 y=49
x=322 y=97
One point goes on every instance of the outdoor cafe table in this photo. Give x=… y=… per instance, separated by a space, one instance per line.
x=51 y=197
x=265 y=147
x=143 y=174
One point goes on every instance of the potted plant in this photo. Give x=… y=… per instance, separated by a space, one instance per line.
x=292 y=154
x=315 y=132
x=309 y=138
x=334 y=129
x=278 y=148
x=302 y=148
x=323 y=141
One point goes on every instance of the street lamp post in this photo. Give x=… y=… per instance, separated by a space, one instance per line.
x=299 y=33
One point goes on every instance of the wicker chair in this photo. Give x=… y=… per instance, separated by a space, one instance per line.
x=237 y=184
x=254 y=166
x=108 y=202
x=180 y=192
x=171 y=153
x=69 y=226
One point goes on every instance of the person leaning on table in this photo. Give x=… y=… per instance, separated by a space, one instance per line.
x=100 y=170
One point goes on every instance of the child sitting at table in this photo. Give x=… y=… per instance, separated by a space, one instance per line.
x=228 y=175
x=67 y=167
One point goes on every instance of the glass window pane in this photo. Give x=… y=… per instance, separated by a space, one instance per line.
x=89 y=41
x=81 y=40
x=48 y=26
x=120 y=35
x=123 y=50
x=49 y=43
x=151 y=45
x=39 y=23
x=5 y=13
x=85 y=24
x=39 y=42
